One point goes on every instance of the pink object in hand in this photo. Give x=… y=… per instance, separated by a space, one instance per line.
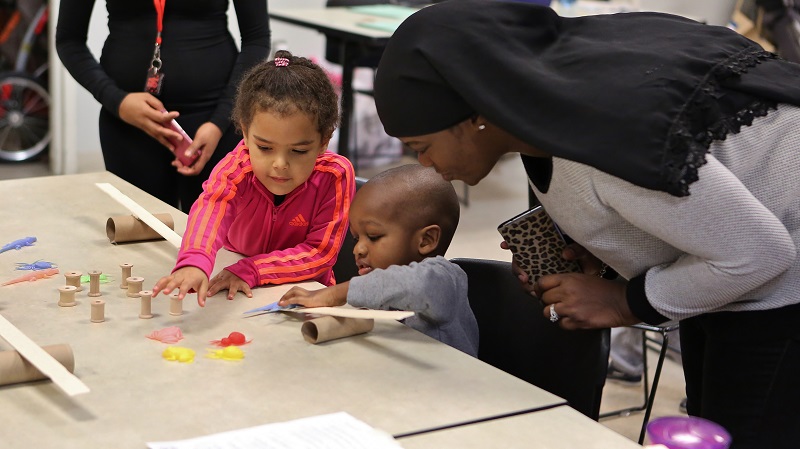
x=182 y=145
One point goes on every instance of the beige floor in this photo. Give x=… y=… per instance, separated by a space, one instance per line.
x=499 y=196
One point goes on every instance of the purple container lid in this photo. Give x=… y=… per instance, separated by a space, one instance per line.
x=688 y=432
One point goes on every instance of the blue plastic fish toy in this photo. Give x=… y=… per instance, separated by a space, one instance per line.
x=38 y=265
x=18 y=244
x=272 y=308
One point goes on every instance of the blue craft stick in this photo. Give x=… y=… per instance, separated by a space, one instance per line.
x=271 y=308
x=17 y=244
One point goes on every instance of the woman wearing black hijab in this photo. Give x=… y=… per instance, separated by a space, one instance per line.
x=668 y=149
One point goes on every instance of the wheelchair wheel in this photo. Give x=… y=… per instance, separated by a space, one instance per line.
x=24 y=117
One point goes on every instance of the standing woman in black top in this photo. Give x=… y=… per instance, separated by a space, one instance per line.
x=195 y=82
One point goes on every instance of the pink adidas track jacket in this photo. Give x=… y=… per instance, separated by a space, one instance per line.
x=296 y=241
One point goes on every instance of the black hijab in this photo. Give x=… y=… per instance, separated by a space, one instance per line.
x=640 y=96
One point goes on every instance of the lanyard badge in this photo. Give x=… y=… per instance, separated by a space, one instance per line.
x=155 y=76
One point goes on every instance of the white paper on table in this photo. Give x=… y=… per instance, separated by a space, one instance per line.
x=334 y=431
x=349 y=312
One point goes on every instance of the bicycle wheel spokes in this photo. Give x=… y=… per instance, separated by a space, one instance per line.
x=24 y=118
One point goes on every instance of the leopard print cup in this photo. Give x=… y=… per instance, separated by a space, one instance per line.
x=536 y=244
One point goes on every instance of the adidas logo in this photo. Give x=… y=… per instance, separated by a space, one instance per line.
x=298 y=221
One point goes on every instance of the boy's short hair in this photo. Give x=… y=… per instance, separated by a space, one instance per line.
x=420 y=197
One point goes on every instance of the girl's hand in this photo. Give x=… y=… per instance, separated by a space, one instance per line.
x=326 y=297
x=584 y=301
x=184 y=279
x=205 y=141
x=225 y=280
x=146 y=112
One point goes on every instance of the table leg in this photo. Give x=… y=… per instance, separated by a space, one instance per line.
x=346 y=54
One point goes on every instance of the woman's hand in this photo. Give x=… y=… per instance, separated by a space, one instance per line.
x=146 y=112
x=225 y=280
x=205 y=141
x=521 y=275
x=588 y=262
x=584 y=301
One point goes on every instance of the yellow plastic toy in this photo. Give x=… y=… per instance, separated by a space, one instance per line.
x=227 y=353
x=177 y=353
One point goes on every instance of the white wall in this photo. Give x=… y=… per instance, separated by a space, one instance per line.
x=713 y=12
x=75 y=147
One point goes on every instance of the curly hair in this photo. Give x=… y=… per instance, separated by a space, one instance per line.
x=286 y=85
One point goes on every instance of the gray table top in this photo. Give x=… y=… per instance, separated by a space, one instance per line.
x=393 y=378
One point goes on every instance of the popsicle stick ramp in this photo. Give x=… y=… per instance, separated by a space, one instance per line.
x=43 y=361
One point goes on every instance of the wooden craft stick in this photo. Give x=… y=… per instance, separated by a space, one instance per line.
x=16 y=369
x=348 y=312
x=141 y=213
x=39 y=358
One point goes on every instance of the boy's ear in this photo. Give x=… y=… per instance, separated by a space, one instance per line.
x=429 y=239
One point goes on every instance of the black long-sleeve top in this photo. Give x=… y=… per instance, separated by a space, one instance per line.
x=201 y=64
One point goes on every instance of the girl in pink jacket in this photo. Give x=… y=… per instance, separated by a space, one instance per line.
x=278 y=198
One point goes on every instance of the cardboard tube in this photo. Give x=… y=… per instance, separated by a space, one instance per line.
x=16 y=369
x=329 y=328
x=127 y=228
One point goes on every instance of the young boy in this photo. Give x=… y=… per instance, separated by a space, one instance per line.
x=403 y=221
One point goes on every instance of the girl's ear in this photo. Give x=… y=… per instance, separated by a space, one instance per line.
x=429 y=239
x=326 y=139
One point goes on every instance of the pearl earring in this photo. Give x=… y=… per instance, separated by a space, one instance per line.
x=481 y=127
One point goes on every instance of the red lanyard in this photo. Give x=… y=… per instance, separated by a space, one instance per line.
x=159 y=18
x=155 y=77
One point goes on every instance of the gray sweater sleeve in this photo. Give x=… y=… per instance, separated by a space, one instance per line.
x=435 y=289
x=430 y=288
x=731 y=243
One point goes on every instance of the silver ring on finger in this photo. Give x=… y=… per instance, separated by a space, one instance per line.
x=553 y=315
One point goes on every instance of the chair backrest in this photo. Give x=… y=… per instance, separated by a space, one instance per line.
x=345 y=266
x=516 y=338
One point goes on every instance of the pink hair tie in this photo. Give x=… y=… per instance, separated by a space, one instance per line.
x=281 y=62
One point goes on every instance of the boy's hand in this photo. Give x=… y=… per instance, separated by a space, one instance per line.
x=225 y=280
x=184 y=279
x=326 y=297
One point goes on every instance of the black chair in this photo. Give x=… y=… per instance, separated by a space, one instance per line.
x=516 y=338
x=345 y=267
